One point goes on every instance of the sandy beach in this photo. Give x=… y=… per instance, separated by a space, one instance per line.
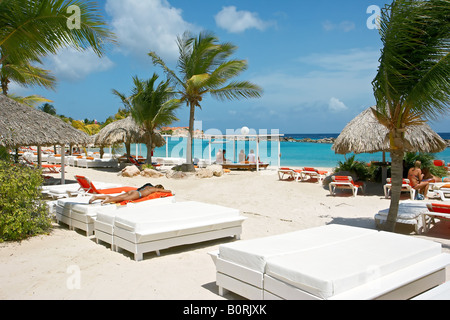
x=41 y=267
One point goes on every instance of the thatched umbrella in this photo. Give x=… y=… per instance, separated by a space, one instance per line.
x=126 y=131
x=21 y=125
x=364 y=134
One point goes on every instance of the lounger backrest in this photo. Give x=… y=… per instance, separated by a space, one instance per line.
x=405 y=181
x=342 y=178
x=133 y=161
x=439 y=163
x=310 y=169
x=437 y=207
x=86 y=184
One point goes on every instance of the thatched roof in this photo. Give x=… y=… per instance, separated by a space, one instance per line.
x=364 y=134
x=125 y=131
x=21 y=125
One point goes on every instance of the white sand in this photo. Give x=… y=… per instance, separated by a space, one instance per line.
x=43 y=267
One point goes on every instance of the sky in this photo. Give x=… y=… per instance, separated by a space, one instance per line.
x=315 y=61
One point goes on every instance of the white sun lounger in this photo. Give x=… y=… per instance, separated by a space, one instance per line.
x=175 y=224
x=409 y=212
x=67 y=190
x=105 y=217
x=331 y=262
x=77 y=213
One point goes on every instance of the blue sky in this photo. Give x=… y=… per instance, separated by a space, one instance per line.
x=315 y=61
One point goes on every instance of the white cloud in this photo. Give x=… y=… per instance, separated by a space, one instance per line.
x=150 y=25
x=345 y=26
x=73 y=65
x=335 y=105
x=235 y=21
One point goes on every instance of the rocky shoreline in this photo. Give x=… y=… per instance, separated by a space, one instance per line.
x=323 y=140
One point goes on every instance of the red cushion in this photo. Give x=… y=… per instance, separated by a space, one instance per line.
x=116 y=190
x=439 y=163
x=154 y=195
x=441 y=208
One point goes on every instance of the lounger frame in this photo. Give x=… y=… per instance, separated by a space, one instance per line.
x=138 y=244
x=402 y=284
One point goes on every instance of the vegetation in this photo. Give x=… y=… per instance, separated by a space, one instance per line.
x=32 y=29
x=413 y=80
x=22 y=212
x=360 y=169
x=151 y=106
x=205 y=67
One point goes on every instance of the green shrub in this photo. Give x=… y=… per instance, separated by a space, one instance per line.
x=359 y=168
x=23 y=213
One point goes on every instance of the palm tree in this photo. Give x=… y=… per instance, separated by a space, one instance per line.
x=412 y=84
x=204 y=68
x=152 y=106
x=32 y=29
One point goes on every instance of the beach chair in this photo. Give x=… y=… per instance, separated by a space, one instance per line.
x=313 y=173
x=439 y=190
x=345 y=182
x=87 y=186
x=410 y=212
x=406 y=187
x=46 y=168
x=292 y=174
x=435 y=211
x=334 y=262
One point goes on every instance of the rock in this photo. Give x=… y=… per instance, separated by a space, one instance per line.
x=184 y=167
x=216 y=169
x=151 y=173
x=175 y=174
x=130 y=171
x=204 y=173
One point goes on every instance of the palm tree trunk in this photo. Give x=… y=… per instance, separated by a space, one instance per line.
x=149 y=149
x=397 y=179
x=191 y=134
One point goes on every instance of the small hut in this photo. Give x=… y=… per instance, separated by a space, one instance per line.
x=126 y=131
x=364 y=134
x=21 y=125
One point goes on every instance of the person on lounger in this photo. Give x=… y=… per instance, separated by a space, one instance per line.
x=415 y=177
x=142 y=192
x=428 y=177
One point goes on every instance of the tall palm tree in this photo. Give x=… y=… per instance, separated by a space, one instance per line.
x=205 y=67
x=413 y=80
x=152 y=106
x=32 y=29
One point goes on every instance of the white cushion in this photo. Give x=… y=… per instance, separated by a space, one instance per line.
x=335 y=268
x=253 y=254
x=407 y=210
x=171 y=216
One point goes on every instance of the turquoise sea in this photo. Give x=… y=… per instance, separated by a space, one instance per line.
x=293 y=154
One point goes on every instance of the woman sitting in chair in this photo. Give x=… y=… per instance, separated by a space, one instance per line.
x=132 y=195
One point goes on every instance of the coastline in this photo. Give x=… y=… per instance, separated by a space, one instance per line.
x=38 y=268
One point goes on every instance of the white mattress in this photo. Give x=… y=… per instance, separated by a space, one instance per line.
x=107 y=215
x=407 y=210
x=335 y=268
x=79 y=205
x=254 y=254
x=174 y=216
x=73 y=187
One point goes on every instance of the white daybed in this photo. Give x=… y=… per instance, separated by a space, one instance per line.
x=331 y=262
x=67 y=190
x=78 y=213
x=97 y=163
x=105 y=217
x=409 y=212
x=139 y=231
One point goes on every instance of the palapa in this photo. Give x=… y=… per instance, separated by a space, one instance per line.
x=126 y=131
x=21 y=125
x=364 y=134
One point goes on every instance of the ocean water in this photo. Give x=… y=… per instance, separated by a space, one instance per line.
x=293 y=154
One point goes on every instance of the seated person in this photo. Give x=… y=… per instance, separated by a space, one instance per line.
x=142 y=192
x=242 y=156
x=251 y=157
x=219 y=157
x=415 y=177
x=428 y=177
